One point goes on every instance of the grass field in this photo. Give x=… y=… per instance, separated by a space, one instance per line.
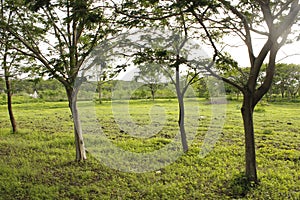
x=38 y=161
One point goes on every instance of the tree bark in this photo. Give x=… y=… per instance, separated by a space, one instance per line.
x=152 y=94
x=282 y=92
x=9 y=103
x=8 y=89
x=250 y=156
x=79 y=143
x=181 y=124
x=100 y=92
x=181 y=112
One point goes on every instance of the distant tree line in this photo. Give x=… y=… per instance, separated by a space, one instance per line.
x=285 y=86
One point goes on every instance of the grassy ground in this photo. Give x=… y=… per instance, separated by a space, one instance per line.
x=38 y=161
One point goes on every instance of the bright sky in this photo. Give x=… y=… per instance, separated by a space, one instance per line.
x=290 y=53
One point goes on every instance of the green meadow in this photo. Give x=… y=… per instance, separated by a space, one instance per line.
x=38 y=161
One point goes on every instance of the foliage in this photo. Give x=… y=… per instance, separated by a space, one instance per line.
x=152 y=76
x=287 y=80
x=2 y=83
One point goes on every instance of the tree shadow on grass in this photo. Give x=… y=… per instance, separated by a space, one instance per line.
x=238 y=186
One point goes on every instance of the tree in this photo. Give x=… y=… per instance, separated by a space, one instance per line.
x=294 y=81
x=102 y=58
x=105 y=75
x=273 y=20
x=200 y=87
x=60 y=35
x=244 y=19
x=8 y=61
x=165 y=52
x=152 y=76
x=6 y=65
x=286 y=80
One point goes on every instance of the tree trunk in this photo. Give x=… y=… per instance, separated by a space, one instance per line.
x=282 y=92
x=152 y=94
x=8 y=88
x=181 y=124
x=247 y=113
x=100 y=92
x=9 y=103
x=181 y=112
x=79 y=143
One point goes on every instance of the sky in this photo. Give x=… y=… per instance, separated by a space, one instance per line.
x=289 y=53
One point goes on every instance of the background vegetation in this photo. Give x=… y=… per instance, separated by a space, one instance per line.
x=285 y=87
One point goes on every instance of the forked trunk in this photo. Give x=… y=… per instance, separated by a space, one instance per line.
x=79 y=143
x=247 y=113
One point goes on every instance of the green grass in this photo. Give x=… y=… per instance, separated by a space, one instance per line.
x=38 y=161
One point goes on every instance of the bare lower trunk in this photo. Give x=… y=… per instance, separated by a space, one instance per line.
x=153 y=95
x=180 y=96
x=9 y=105
x=100 y=92
x=79 y=143
x=181 y=124
x=282 y=94
x=247 y=113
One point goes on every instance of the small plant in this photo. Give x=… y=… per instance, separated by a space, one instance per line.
x=267 y=132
